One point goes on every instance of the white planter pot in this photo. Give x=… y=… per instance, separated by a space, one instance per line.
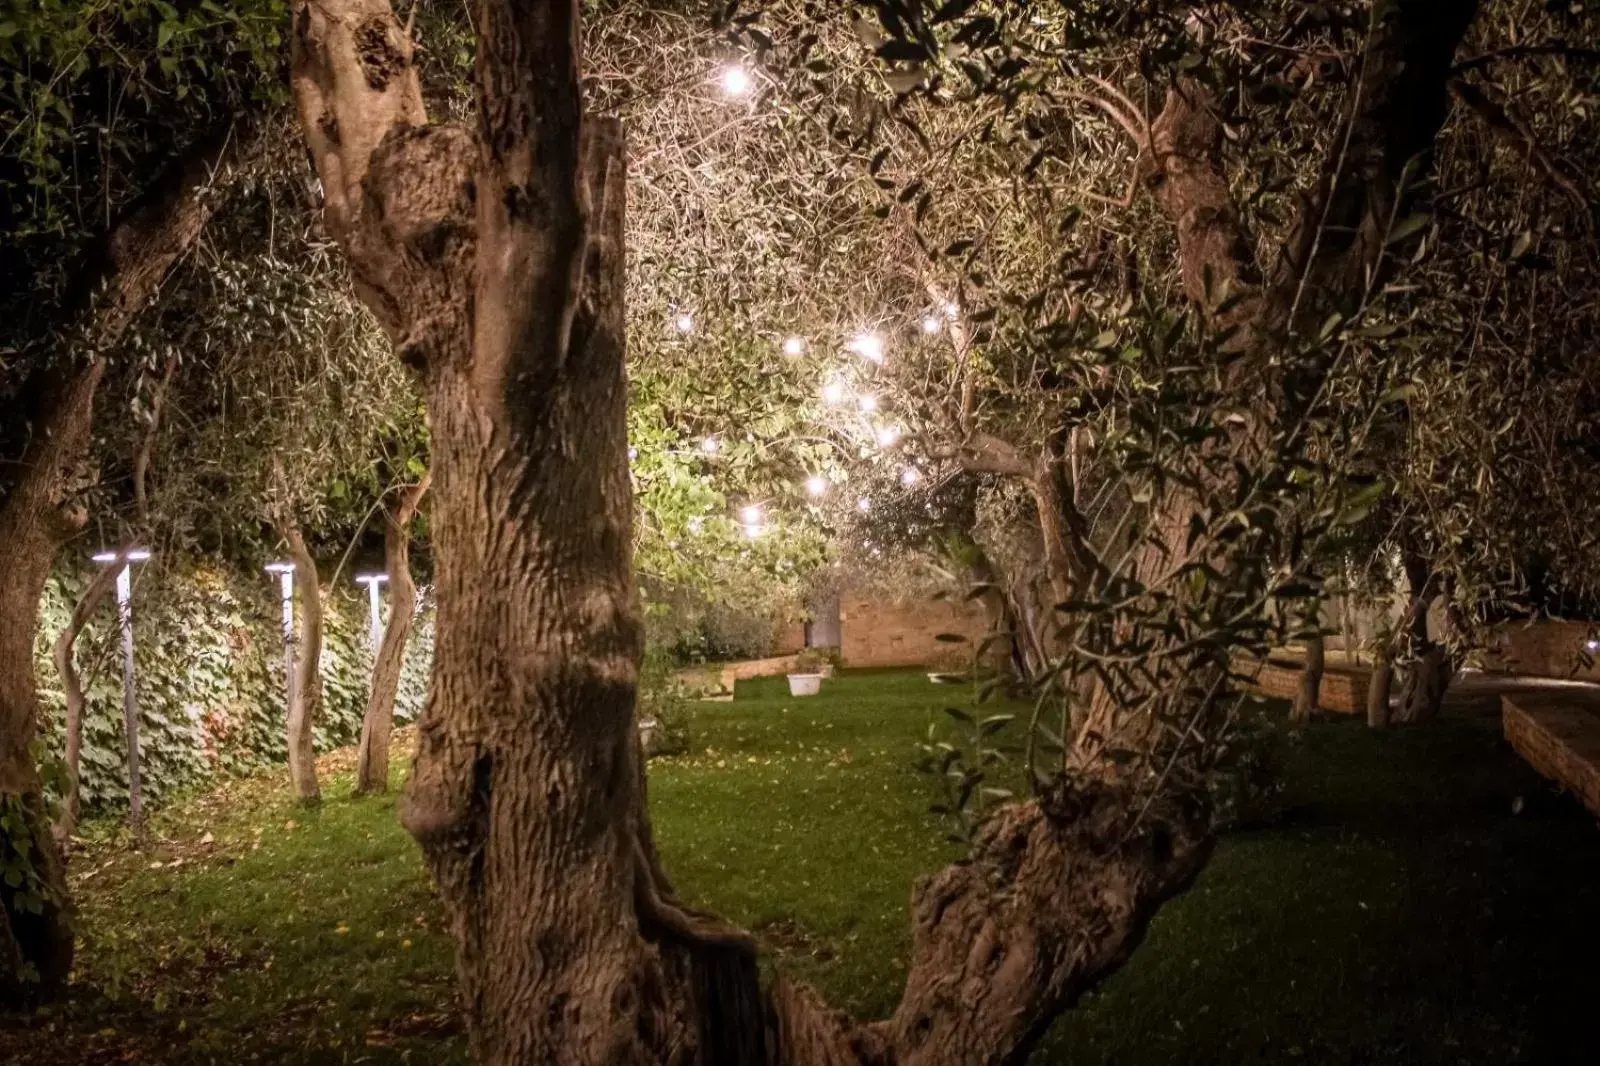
x=805 y=684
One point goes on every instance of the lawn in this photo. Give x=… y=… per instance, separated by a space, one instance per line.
x=1420 y=896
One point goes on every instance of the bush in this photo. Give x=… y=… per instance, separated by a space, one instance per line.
x=665 y=707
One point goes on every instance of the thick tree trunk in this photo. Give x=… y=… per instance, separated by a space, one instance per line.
x=94 y=595
x=372 y=759
x=497 y=267
x=1307 y=696
x=305 y=697
x=1428 y=666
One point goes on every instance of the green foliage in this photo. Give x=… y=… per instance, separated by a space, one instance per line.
x=665 y=702
x=209 y=674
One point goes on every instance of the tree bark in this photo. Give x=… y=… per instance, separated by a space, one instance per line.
x=305 y=696
x=372 y=760
x=1378 y=688
x=94 y=594
x=1427 y=665
x=1307 y=696
x=495 y=262
x=39 y=514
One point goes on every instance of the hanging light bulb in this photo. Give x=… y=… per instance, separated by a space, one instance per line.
x=864 y=504
x=710 y=445
x=887 y=435
x=794 y=346
x=868 y=346
x=932 y=325
x=910 y=476
x=833 y=393
x=684 y=322
x=817 y=485
x=751 y=515
x=868 y=404
x=736 y=81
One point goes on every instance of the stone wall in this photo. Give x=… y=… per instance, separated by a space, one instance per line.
x=1343 y=689
x=881 y=632
x=1545 y=649
x=1559 y=734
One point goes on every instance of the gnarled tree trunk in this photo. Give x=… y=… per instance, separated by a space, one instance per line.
x=495 y=262
x=372 y=759
x=305 y=694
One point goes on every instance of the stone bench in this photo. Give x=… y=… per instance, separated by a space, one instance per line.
x=1343 y=689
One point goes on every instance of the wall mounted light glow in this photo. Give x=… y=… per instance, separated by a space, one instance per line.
x=793 y=346
x=285 y=572
x=1593 y=645
x=816 y=485
x=130 y=703
x=374 y=603
x=684 y=322
x=736 y=81
x=868 y=346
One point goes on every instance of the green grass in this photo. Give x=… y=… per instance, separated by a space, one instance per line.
x=1395 y=909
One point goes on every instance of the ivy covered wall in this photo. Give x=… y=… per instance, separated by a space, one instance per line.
x=209 y=666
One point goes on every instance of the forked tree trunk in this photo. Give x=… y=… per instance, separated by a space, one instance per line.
x=94 y=594
x=495 y=262
x=372 y=759
x=305 y=696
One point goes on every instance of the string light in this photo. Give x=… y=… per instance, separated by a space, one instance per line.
x=951 y=310
x=910 y=476
x=864 y=504
x=633 y=453
x=684 y=322
x=887 y=435
x=868 y=346
x=696 y=524
x=794 y=346
x=710 y=445
x=817 y=485
x=833 y=393
x=736 y=81
x=751 y=515
x=868 y=404
x=931 y=325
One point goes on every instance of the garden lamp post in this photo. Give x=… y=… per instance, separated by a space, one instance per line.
x=130 y=704
x=375 y=620
x=285 y=572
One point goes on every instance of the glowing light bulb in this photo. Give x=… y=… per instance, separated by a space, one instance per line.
x=794 y=346
x=633 y=453
x=833 y=393
x=684 y=322
x=1593 y=645
x=868 y=346
x=751 y=516
x=910 y=476
x=817 y=485
x=754 y=531
x=931 y=325
x=868 y=404
x=710 y=445
x=864 y=504
x=887 y=435
x=951 y=309
x=736 y=81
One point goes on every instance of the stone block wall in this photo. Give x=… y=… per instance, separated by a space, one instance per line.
x=1545 y=649
x=1559 y=735
x=881 y=632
